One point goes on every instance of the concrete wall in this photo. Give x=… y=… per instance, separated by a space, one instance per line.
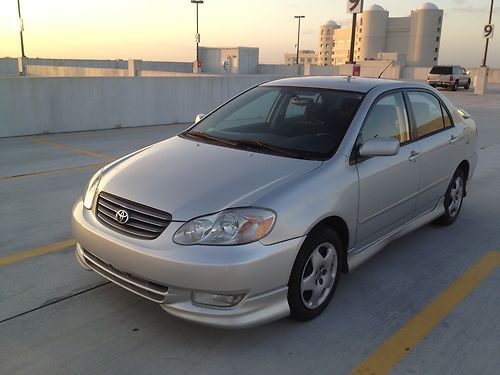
x=8 y=67
x=41 y=105
x=493 y=75
x=80 y=63
x=415 y=73
x=279 y=69
x=69 y=71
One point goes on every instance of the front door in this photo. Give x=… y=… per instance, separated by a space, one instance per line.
x=387 y=184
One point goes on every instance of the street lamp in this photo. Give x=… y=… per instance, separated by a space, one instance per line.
x=21 y=27
x=298 y=36
x=197 y=36
x=488 y=39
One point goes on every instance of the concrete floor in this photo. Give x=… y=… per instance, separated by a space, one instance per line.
x=56 y=318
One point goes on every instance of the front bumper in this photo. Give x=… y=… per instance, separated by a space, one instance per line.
x=144 y=267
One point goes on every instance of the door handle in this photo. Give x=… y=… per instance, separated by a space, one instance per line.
x=453 y=139
x=414 y=156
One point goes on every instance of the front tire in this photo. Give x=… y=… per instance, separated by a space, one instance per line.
x=453 y=198
x=467 y=85
x=454 y=87
x=315 y=274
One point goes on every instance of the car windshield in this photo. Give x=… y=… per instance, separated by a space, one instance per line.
x=303 y=123
x=446 y=70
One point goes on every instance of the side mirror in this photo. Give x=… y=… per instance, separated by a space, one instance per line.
x=380 y=147
x=199 y=117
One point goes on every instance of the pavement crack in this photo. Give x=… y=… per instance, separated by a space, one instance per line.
x=53 y=302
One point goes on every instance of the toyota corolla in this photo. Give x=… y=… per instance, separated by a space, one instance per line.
x=255 y=211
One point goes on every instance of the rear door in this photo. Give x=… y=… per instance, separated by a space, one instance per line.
x=387 y=184
x=436 y=137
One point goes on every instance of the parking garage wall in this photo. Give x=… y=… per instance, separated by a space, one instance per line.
x=37 y=105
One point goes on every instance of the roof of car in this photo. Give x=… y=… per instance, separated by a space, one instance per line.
x=346 y=83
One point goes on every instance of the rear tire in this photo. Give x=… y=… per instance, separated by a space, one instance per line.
x=315 y=274
x=454 y=87
x=453 y=199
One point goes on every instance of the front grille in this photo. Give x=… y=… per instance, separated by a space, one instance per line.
x=147 y=289
x=144 y=222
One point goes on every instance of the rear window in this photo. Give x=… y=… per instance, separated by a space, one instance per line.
x=446 y=70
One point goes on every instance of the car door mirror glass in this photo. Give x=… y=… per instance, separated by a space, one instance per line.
x=380 y=147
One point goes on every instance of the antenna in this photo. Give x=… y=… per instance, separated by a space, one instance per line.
x=387 y=67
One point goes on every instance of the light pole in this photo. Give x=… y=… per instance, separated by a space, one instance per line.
x=488 y=39
x=21 y=27
x=298 y=36
x=197 y=37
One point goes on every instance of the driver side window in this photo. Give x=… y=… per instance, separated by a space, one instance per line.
x=387 y=119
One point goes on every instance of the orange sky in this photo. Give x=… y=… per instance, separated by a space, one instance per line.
x=164 y=29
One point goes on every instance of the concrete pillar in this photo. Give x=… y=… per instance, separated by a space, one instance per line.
x=196 y=68
x=134 y=68
x=21 y=64
x=481 y=80
x=307 y=69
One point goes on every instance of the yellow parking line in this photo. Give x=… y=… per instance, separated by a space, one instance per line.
x=50 y=171
x=35 y=252
x=408 y=336
x=77 y=150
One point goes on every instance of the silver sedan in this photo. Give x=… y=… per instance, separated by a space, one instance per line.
x=254 y=212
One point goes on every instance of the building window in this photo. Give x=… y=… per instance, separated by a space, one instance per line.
x=322 y=32
x=437 y=39
x=327 y=39
x=309 y=60
x=360 y=31
x=361 y=22
x=359 y=49
x=435 y=59
x=435 y=50
x=327 y=46
x=440 y=20
x=439 y=29
x=328 y=32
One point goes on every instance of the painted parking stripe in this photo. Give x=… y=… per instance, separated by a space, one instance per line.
x=77 y=150
x=36 y=252
x=392 y=351
x=50 y=171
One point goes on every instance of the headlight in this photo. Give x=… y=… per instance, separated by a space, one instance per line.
x=88 y=197
x=230 y=227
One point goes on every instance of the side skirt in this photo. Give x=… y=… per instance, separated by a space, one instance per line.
x=356 y=257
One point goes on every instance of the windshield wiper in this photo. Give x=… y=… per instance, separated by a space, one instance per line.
x=265 y=146
x=202 y=135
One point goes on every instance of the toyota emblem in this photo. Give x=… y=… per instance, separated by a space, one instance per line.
x=122 y=216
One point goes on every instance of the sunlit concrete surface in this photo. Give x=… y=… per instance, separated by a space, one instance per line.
x=56 y=318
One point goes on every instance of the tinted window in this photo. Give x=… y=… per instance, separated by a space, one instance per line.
x=446 y=117
x=427 y=111
x=287 y=121
x=441 y=70
x=387 y=119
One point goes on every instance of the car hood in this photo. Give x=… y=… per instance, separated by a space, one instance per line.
x=189 y=179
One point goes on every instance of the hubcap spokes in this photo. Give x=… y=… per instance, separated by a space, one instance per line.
x=319 y=275
x=456 y=196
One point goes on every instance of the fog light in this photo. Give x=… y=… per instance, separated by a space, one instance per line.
x=216 y=300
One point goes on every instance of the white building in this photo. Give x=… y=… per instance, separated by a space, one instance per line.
x=306 y=56
x=416 y=37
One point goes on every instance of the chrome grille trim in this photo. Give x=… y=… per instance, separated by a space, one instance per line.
x=144 y=288
x=144 y=222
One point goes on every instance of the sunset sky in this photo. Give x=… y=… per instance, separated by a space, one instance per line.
x=164 y=29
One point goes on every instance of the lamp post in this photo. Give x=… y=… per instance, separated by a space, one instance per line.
x=298 y=37
x=488 y=39
x=21 y=27
x=197 y=37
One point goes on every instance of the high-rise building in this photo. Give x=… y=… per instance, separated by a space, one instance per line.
x=417 y=37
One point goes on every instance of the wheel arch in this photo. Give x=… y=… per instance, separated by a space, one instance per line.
x=340 y=226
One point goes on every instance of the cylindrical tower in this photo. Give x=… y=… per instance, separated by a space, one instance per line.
x=371 y=33
x=425 y=35
x=326 y=42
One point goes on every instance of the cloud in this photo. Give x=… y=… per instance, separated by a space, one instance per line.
x=461 y=8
